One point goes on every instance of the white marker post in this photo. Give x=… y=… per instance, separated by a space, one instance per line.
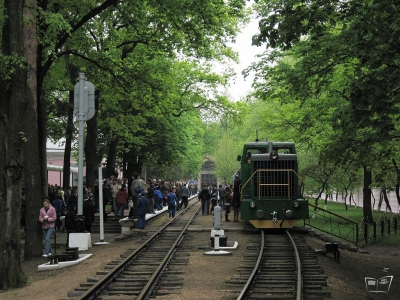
x=102 y=242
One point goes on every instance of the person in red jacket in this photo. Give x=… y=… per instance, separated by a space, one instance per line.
x=122 y=198
x=47 y=216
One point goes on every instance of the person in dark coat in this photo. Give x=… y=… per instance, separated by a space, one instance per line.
x=106 y=198
x=214 y=199
x=204 y=196
x=58 y=205
x=235 y=203
x=88 y=212
x=142 y=209
x=172 y=203
x=69 y=220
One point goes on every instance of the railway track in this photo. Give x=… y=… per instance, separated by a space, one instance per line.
x=285 y=268
x=151 y=269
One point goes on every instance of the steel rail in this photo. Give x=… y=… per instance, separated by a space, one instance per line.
x=99 y=286
x=148 y=288
x=298 y=266
x=252 y=276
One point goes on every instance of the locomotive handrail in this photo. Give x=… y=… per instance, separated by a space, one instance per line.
x=275 y=184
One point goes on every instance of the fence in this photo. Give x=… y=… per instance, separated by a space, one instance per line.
x=349 y=230
x=383 y=226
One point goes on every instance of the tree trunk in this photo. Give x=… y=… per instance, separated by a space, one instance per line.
x=13 y=101
x=68 y=141
x=385 y=197
x=112 y=157
x=397 y=181
x=90 y=145
x=367 y=209
x=35 y=173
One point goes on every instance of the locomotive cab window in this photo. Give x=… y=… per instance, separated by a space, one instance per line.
x=251 y=151
x=283 y=150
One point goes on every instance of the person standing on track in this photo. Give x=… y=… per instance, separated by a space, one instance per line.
x=227 y=202
x=236 y=198
x=204 y=196
x=142 y=209
x=221 y=195
x=185 y=195
x=214 y=198
x=172 y=202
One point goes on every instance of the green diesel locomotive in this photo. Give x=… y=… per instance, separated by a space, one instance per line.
x=270 y=195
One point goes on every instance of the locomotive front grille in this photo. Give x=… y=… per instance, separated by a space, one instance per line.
x=274 y=179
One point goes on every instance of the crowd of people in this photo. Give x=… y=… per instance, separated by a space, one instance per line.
x=135 y=195
x=227 y=197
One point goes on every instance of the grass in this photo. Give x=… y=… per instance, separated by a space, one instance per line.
x=345 y=225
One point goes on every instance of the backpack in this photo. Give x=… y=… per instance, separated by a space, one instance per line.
x=138 y=189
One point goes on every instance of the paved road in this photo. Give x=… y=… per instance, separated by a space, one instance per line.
x=358 y=200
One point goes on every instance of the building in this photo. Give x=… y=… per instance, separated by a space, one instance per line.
x=55 y=163
x=208 y=174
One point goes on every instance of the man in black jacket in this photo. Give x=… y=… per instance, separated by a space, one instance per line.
x=205 y=196
x=70 y=217
x=88 y=212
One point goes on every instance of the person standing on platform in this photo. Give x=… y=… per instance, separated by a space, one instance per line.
x=133 y=214
x=47 y=216
x=122 y=199
x=150 y=197
x=158 y=198
x=70 y=217
x=172 y=201
x=106 y=198
x=88 y=212
x=58 y=206
x=142 y=209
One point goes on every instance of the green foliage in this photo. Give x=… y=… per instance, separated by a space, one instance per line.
x=225 y=158
x=331 y=81
x=8 y=64
x=150 y=61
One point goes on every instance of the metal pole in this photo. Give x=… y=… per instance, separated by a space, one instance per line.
x=81 y=118
x=101 y=205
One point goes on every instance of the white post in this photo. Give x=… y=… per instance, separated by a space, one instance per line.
x=101 y=205
x=81 y=119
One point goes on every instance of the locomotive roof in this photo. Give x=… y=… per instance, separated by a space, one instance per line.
x=272 y=144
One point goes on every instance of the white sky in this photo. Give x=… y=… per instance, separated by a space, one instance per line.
x=240 y=86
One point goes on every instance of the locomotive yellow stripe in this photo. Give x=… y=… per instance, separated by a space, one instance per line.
x=271 y=224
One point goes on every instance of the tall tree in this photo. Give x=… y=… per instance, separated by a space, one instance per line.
x=356 y=39
x=68 y=28
x=15 y=96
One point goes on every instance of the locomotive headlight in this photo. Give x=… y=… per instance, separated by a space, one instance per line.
x=274 y=155
x=252 y=204
x=289 y=214
x=260 y=214
x=296 y=204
